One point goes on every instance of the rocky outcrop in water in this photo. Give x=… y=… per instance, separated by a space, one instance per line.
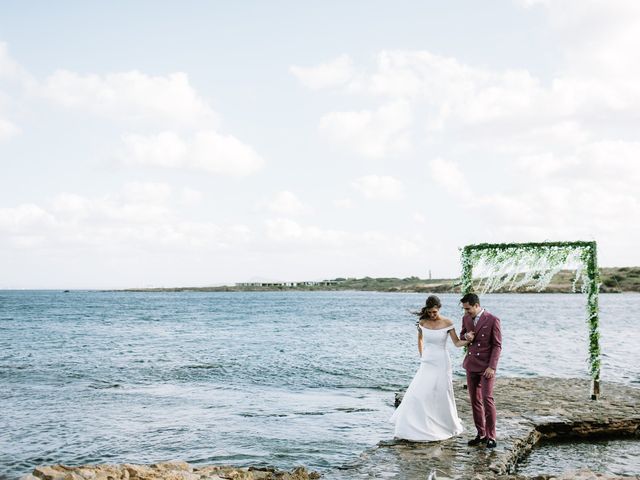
x=529 y=410
x=582 y=474
x=165 y=471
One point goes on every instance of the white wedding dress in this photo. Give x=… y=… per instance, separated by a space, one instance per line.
x=428 y=410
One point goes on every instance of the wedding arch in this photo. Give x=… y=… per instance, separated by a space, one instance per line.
x=512 y=266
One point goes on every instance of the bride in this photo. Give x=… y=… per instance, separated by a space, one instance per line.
x=428 y=409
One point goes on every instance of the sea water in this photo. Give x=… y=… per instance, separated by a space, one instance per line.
x=266 y=378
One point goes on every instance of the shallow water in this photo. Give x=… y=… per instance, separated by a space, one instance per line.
x=614 y=457
x=269 y=378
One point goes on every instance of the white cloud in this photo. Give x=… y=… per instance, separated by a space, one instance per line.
x=142 y=216
x=190 y=197
x=419 y=218
x=8 y=67
x=285 y=203
x=448 y=175
x=132 y=97
x=147 y=192
x=599 y=37
x=600 y=76
x=12 y=75
x=166 y=149
x=588 y=193
x=331 y=74
x=455 y=93
x=71 y=207
x=25 y=219
x=392 y=245
x=225 y=154
x=286 y=230
x=7 y=129
x=304 y=238
x=449 y=94
x=453 y=90
x=343 y=203
x=561 y=136
x=540 y=166
x=12 y=71
x=208 y=151
x=190 y=140
x=370 y=133
x=611 y=163
x=380 y=187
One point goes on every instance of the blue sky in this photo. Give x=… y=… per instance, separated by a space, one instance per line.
x=198 y=143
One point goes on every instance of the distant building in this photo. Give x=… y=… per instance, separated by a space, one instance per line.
x=323 y=283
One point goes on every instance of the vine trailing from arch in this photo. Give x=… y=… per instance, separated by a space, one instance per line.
x=516 y=266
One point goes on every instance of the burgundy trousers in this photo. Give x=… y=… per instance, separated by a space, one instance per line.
x=482 y=404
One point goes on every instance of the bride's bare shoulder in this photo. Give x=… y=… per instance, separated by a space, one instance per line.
x=448 y=322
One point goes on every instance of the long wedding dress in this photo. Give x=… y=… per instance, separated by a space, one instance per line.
x=428 y=410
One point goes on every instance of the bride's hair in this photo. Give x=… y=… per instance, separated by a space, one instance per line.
x=432 y=302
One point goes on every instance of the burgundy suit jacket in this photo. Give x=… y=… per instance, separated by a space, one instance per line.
x=485 y=349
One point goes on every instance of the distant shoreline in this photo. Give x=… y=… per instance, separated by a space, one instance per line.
x=613 y=280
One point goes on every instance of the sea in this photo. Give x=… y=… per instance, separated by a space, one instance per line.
x=277 y=379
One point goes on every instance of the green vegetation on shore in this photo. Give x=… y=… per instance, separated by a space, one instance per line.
x=614 y=280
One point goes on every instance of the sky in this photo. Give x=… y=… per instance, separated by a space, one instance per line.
x=193 y=143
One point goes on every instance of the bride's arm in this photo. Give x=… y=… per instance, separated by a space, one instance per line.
x=420 y=344
x=456 y=341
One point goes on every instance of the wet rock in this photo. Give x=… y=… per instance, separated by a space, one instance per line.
x=529 y=410
x=582 y=474
x=56 y=472
x=173 y=470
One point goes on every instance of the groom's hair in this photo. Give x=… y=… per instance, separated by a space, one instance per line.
x=471 y=299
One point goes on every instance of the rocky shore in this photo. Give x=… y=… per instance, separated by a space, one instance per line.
x=529 y=410
x=175 y=470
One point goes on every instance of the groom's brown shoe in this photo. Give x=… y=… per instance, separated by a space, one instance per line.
x=491 y=443
x=477 y=441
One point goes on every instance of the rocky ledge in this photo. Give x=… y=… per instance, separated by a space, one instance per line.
x=529 y=410
x=165 y=471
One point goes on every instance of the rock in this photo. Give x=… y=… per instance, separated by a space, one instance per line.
x=137 y=471
x=582 y=474
x=56 y=472
x=173 y=465
x=73 y=476
x=529 y=410
x=171 y=470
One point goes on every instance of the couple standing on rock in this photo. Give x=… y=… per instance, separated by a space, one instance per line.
x=428 y=410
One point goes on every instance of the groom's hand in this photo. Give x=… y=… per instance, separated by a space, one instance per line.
x=489 y=372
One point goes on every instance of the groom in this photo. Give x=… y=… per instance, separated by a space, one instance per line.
x=483 y=331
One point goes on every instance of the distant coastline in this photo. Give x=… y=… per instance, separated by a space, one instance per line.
x=613 y=280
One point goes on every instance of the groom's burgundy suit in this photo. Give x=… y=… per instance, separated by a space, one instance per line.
x=483 y=352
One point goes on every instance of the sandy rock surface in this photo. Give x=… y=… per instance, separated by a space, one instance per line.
x=175 y=470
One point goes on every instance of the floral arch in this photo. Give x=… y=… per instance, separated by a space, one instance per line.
x=510 y=266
